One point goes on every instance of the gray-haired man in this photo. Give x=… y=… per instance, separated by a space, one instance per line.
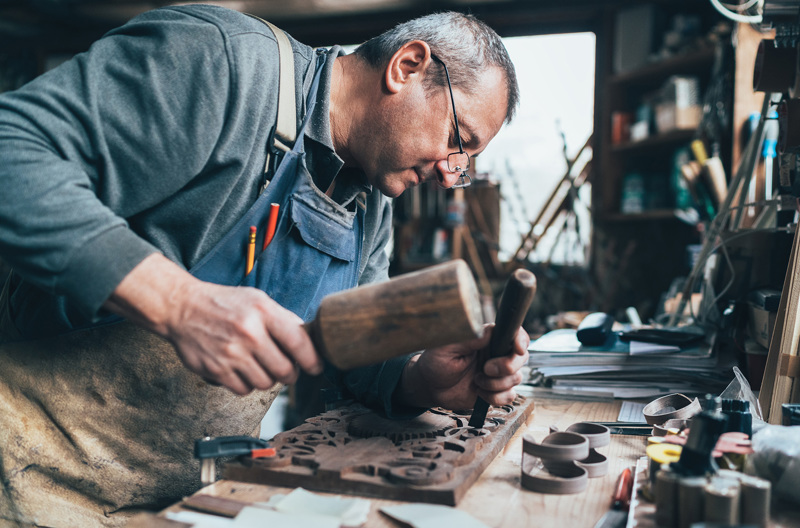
x=134 y=164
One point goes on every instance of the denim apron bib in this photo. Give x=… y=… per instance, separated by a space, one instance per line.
x=99 y=423
x=317 y=243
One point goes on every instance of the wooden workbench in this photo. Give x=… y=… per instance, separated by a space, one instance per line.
x=497 y=499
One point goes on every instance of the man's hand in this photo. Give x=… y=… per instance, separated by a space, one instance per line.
x=448 y=376
x=233 y=336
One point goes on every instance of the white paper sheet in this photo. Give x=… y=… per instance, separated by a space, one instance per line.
x=631 y=412
x=432 y=516
x=261 y=518
x=200 y=520
x=350 y=512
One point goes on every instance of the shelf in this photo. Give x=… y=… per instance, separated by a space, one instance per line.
x=681 y=64
x=646 y=216
x=660 y=140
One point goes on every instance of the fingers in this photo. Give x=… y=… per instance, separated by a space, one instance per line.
x=234 y=367
x=500 y=375
x=505 y=366
x=498 y=399
x=276 y=364
x=245 y=383
x=242 y=339
x=511 y=363
x=486 y=383
x=286 y=329
x=449 y=375
x=249 y=359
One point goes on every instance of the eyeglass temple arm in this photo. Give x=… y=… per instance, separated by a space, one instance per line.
x=464 y=180
x=452 y=102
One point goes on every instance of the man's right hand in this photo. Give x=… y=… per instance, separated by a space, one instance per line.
x=233 y=336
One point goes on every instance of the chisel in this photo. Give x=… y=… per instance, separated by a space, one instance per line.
x=617 y=516
x=514 y=304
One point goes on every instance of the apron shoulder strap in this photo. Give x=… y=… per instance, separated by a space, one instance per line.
x=361 y=201
x=286 y=126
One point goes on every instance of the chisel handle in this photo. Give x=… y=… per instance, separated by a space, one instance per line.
x=623 y=491
x=514 y=303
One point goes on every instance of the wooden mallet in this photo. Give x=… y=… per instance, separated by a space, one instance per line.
x=437 y=306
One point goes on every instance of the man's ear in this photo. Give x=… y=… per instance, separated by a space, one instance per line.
x=408 y=63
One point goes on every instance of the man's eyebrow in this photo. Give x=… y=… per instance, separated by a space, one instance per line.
x=473 y=139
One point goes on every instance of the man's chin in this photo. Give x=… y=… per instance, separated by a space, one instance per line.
x=392 y=192
x=396 y=188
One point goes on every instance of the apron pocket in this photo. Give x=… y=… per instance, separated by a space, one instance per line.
x=323 y=233
x=312 y=255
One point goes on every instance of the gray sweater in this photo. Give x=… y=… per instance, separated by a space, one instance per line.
x=154 y=140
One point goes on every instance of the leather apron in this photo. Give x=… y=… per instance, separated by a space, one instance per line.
x=99 y=424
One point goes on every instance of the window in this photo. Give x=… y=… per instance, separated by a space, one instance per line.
x=556 y=79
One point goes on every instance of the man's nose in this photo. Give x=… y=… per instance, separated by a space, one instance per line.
x=444 y=177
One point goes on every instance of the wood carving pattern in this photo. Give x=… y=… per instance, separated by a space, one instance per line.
x=432 y=458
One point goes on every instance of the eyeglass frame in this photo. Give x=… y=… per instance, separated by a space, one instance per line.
x=464 y=179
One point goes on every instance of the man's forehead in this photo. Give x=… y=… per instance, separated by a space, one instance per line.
x=487 y=87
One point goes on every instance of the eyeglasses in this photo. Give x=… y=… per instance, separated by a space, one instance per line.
x=456 y=161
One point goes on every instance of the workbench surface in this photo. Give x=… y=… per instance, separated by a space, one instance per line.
x=497 y=499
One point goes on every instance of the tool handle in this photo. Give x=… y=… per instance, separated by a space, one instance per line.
x=623 y=490
x=514 y=303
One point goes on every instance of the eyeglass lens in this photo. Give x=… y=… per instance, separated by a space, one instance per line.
x=458 y=161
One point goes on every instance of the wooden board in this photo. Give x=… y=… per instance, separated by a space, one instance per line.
x=778 y=388
x=434 y=458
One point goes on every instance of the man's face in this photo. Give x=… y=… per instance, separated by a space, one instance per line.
x=414 y=132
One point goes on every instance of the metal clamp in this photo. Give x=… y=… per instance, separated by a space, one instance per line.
x=208 y=449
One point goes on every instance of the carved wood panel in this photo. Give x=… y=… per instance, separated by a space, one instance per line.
x=433 y=458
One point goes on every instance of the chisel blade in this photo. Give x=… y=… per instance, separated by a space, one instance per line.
x=613 y=519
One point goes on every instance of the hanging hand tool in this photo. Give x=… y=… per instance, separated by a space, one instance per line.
x=514 y=304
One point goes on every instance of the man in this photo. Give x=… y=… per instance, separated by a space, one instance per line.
x=131 y=174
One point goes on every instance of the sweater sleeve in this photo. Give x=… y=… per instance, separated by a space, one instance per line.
x=97 y=140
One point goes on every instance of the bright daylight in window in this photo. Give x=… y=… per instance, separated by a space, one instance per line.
x=556 y=79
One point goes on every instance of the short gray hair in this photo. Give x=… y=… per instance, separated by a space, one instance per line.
x=464 y=43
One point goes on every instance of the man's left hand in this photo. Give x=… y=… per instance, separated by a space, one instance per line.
x=449 y=377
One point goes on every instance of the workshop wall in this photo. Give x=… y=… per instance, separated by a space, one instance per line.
x=635 y=256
